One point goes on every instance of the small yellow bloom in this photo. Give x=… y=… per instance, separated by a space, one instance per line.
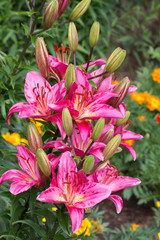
x=134 y=226
x=158 y=204
x=141 y=118
x=129 y=142
x=14 y=138
x=97 y=228
x=86 y=225
x=54 y=209
x=156 y=75
x=159 y=235
x=44 y=220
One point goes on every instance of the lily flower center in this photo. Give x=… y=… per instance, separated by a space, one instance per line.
x=62 y=57
x=41 y=94
x=111 y=172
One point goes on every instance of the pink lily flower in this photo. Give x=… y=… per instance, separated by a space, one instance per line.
x=72 y=188
x=109 y=177
x=32 y=175
x=80 y=146
x=84 y=104
x=127 y=135
x=58 y=66
x=39 y=94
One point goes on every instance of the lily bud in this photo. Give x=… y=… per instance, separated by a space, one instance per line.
x=72 y=37
x=79 y=10
x=121 y=121
x=88 y=164
x=94 y=34
x=111 y=147
x=70 y=76
x=50 y=14
x=34 y=138
x=98 y=129
x=43 y=162
x=42 y=58
x=107 y=136
x=115 y=60
x=67 y=122
x=121 y=89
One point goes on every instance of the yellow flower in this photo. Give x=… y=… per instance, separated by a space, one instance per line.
x=97 y=228
x=115 y=82
x=153 y=103
x=159 y=235
x=14 y=138
x=156 y=75
x=38 y=124
x=129 y=142
x=44 y=220
x=86 y=225
x=158 y=204
x=54 y=209
x=141 y=118
x=134 y=226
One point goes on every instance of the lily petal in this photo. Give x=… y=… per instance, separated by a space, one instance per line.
x=76 y=216
x=129 y=148
x=117 y=201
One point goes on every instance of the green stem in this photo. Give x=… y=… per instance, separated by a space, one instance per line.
x=72 y=146
x=28 y=39
x=87 y=149
x=53 y=231
x=74 y=58
x=90 y=55
x=99 y=75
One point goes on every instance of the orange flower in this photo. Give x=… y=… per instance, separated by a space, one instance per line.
x=153 y=103
x=156 y=75
x=138 y=97
x=158 y=118
x=141 y=118
x=129 y=142
x=134 y=226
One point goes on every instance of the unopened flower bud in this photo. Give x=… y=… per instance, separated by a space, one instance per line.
x=98 y=129
x=42 y=58
x=43 y=162
x=79 y=10
x=121 y=121
x=67 y=122
x=72 y=37
x=70 y=76
x=111 y=147
x=94 y=34
x=107 y=136
x=88 y=164
x=34 y=138
x=115 y=60
x=121 y=89
x=50 y=14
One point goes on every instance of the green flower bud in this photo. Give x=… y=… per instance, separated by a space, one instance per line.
x=79 y=10
x=67 y=122
x=107 y=136
x=43 y=162
x=72 y=37
x=111 y=147
x=115 y=60
x=94 y=34
x=121 y=89
x=34 y=138
x=121 y=121
x=50 y=14
x=88 y=164
x=42 y=58
x=70 y=76
x=98 y=129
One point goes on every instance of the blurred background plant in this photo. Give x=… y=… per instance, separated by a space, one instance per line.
x=133 y=25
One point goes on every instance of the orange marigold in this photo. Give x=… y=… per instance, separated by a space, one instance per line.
x=129 y=142
x=153 y=103
x=138 y=97
x=134 y=226
x=156 y=75
x=141 y=118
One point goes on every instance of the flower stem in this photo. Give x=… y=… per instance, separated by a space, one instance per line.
x=87 y=149
x=62 y=23
x=72 y=146
x=28 y=39
x=74 y=58
x=99 y=75
x=90 y=55
x=53 y=231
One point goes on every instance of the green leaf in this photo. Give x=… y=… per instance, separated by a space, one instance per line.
x=10 y=236
x=36 y=227
x=64 y=221
x=26 y=29
x=92 y=83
